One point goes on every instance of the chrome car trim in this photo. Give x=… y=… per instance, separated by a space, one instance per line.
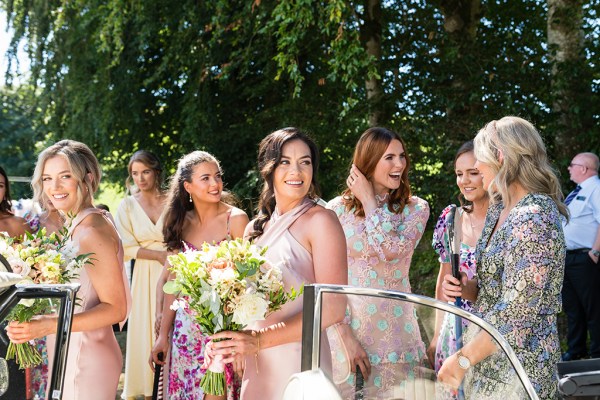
x=67 y=294
x=311 y=323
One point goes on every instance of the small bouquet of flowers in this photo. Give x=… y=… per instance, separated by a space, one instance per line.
x=228 y=286
x=39 y=259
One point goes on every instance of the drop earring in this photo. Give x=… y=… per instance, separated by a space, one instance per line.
x=191 y=198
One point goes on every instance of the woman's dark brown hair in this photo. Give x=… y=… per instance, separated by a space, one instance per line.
x=269 y=157
x=5 y=203
x=368 y=151
x=178 y=199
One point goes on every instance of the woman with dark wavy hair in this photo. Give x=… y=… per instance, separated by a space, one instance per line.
x=307 y=243
x=196 y=212
x=9 y=223
x=383 y=223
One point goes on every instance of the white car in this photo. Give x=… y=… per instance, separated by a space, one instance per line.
x=314 y=383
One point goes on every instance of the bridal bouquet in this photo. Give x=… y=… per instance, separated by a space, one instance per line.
x=39 y=259
x=228 y=286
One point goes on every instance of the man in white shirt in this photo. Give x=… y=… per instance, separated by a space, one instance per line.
x=581 y=289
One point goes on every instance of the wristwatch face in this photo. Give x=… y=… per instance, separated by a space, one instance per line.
x=464 y=362
x=596 y=253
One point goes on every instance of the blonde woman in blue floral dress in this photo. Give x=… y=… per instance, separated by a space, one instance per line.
x=383 y=224
x=520 y=259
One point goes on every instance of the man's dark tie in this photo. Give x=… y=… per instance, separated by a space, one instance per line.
x=572 y=195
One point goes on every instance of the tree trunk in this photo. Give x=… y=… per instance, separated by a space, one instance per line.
x=571 y=79
x=370 y=35
x=461 y=19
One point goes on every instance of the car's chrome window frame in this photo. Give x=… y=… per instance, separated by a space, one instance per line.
x=311 y=323
x=66 y=293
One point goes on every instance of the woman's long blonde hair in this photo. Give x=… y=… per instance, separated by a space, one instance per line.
x=514 y=149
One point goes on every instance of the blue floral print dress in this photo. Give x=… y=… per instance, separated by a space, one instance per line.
x=520 y=270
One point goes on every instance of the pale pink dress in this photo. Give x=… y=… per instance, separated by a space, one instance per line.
x=277 y=364
x=94 y=360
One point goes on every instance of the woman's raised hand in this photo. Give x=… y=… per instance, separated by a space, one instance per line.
x=361 y=188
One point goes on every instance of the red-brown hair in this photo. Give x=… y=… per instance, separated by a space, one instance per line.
x=368 y=151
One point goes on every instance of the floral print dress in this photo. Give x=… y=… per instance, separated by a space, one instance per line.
x=187 y=356
x=380 y=248
x=446 y=344
x=520 y=269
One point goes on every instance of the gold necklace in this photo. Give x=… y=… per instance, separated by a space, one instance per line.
x=473 y=226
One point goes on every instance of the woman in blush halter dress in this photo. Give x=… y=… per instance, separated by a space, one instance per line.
x=383 y=224
x=287 y=225
x=195 y=213
x=68 y=174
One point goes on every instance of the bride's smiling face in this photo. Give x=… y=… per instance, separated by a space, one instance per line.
x=60 y=185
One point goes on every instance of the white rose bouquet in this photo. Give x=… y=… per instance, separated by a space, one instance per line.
x=39 y=259
x=228 y=286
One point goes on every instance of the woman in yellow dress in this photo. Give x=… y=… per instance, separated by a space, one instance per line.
x=139 y=221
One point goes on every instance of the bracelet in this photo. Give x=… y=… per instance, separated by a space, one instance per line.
x=257 y=335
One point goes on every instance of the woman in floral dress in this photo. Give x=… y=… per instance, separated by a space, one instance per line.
x=520 y=258
x=383 y=224
x=195 y=213
x=474 y=204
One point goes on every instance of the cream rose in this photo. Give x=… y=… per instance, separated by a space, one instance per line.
x=250 y=308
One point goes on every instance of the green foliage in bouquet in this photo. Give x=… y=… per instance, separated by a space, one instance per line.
x=39 y=259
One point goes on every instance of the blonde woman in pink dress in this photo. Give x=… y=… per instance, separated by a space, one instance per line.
x=68 y=174
x=307 y=243
x=383 y=224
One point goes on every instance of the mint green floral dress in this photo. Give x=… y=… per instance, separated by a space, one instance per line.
x=380 y=248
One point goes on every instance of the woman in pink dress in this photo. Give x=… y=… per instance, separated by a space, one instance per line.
x=383 y=224
x=68 y=174
x=307 y=243
x=196 y=213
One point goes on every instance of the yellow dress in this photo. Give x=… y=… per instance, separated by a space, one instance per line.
x=137 y=230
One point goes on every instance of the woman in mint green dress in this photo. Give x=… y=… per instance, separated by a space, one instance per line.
x=383 y=224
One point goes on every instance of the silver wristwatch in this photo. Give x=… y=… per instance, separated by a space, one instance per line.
x=595 y=253
x=463 y=361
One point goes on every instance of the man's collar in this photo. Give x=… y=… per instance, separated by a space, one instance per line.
x=589 y=181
